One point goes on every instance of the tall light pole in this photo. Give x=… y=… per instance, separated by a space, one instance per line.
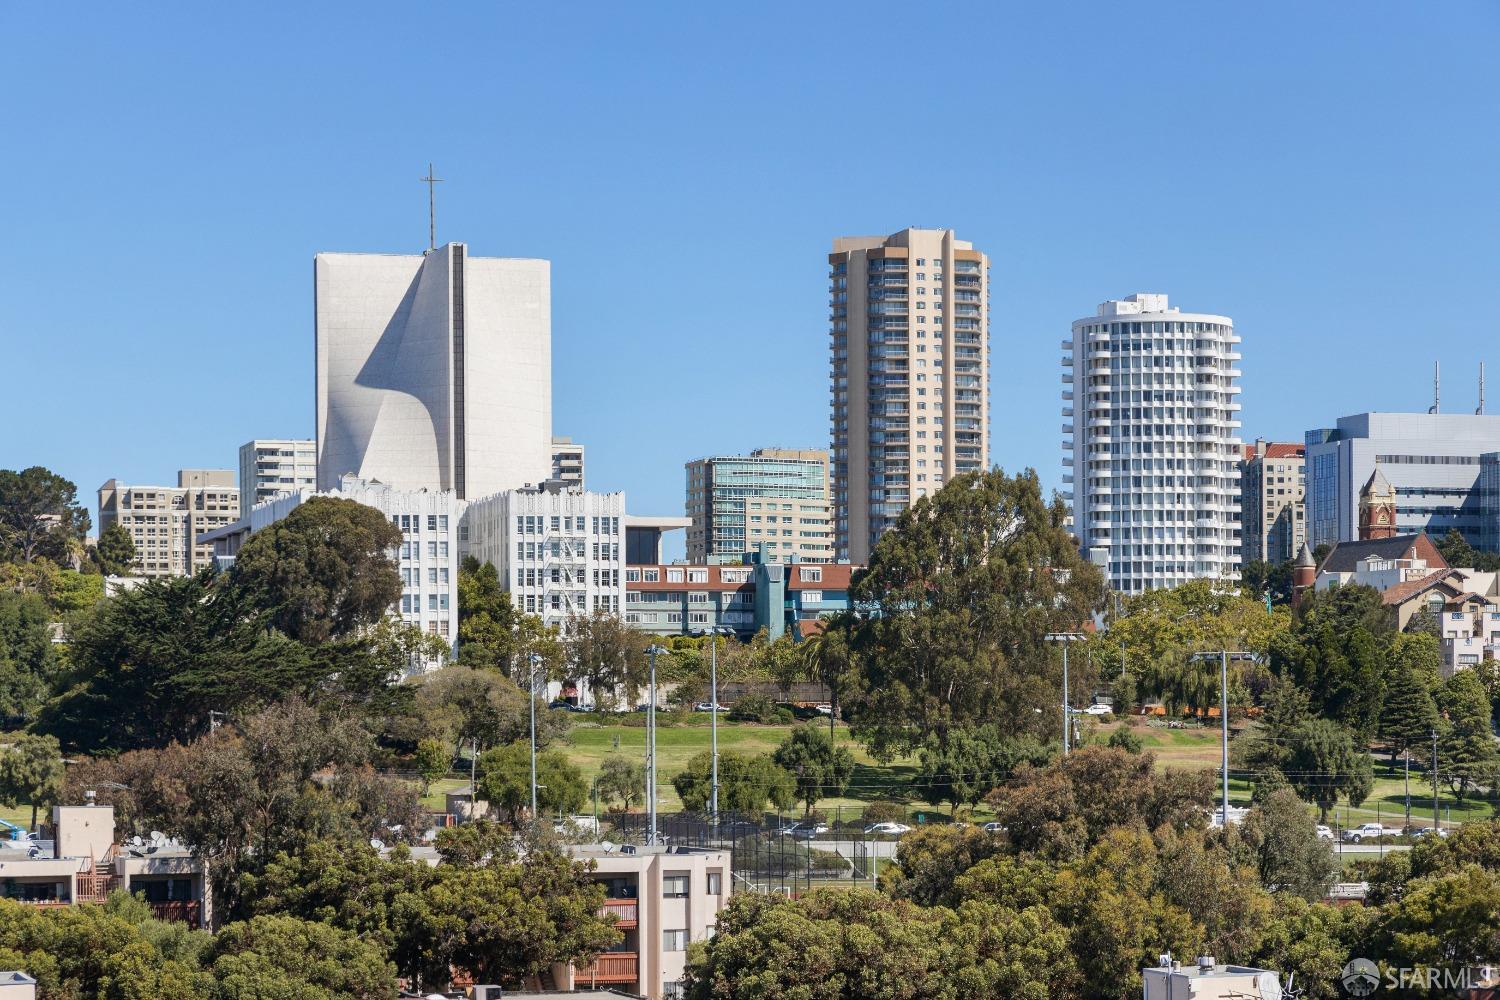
x=535 y=658
x=651 y=651
x=1065 y=638
x=713 y=723
x=1224 y=656
x=1437 y=824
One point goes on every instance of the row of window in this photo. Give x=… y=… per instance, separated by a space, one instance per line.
x=533 y=524
x=412 y=603
x=435 y=550
x=411 y=524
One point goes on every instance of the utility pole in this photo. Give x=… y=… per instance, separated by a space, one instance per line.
x=1437 y=824
x=431 y=180
x=473 y=775
x=1224 y=725
x=1065 y=638
x=713 y=721
x=1406 y=759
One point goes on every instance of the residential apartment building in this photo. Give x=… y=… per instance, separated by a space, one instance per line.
x=82 y=863
x=683 y=599
x=434 y=371
x=773 y=497
x=909 y=347
x=1273 y=516
x=1151 y=444
x=165 y=521
x=663 y=899
x=1207 y=979
x=427 y=558
x=269 y=468
x=567 y=461
x=1433 y=461
x=559 y=551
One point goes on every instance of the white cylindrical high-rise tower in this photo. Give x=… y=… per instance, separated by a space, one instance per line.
x=1151 y=439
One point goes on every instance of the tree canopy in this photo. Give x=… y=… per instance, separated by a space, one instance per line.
x=40 y=517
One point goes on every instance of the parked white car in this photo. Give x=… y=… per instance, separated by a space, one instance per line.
x=1099 y=710
x=1369 y=831
x=1324 y=833
x=994 y=828
x=1428 y=831
x=888 y=827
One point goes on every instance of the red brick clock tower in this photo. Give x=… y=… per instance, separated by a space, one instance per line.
x=1377 y=508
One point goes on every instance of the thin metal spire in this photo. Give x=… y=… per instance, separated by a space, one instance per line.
x=431 y=180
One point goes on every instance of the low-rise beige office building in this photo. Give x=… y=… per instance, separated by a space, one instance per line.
x=165 y=521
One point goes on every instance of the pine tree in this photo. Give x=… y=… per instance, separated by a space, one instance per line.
x=1409 y=713
x=1467 y=758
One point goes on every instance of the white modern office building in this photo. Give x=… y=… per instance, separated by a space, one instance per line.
x=1433 y=460
x=1151 y=443
x=559 y=550
x=909 y=366
x=427 y=558
x=434 y=371
x=269 y=468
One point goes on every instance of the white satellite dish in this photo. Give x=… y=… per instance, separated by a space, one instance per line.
x=1269 y=984
x=377 y=844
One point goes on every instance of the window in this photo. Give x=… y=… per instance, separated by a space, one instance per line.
x=697 y=576
x=697 y=597
x=810 y=574
x=674 y=940
x=715 y=883
x=812 y=597
x=674 y=576
x=675 y=990
x=652 y=575
x=734 y=575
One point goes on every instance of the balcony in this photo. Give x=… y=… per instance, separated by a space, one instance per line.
x=182 y=911
x=624 y=910
x=610 y=967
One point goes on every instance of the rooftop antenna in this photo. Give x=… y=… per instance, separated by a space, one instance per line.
x=431 y=180
x=1480 y=411
x=1437 y=387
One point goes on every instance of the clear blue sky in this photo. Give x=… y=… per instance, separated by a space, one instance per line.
x=1324 y=173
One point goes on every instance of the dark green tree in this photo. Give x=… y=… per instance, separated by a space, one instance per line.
x=1456 y=549
x=1410 y=714
x=967 y=584
x=747 y=784
x=1325 y=761
x=31 y=773
x=972 y=762
x=623 y=779
x=1259 y=578
x=486 y=619
x=28 y=659
x=174 y=650
x=322 y=572
x=1290 y=857
x=466 y=706
x=40 y=517
x=821 y=769
x=114 y=553
x=1467 y=758
x=1336 y=651
x=282 y=956
x=505 y=782
x=608 y=655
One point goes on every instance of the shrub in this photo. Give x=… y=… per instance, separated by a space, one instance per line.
x=1125 y=739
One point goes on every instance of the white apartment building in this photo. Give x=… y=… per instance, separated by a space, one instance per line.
x=567 y=461
x=559 y=551
x=271 y=467
x=434 y=371
x=909 y=352
x=664 y=898
x=427 y=558
x=1151 y=443
x=165 y=521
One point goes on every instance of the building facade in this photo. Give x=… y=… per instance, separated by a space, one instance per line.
x=683 y=599
x=269 y=468
x=165 y=521
x=909 y=347
x=567 y=461
x=427 y=558
x=434 y=371
x=559 y=552
x=663 y=899
x=1151 y=444
x=1273 y=516
x=1432 y=461
x=778 y=497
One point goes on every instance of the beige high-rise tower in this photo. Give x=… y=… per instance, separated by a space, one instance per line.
x=909 y=345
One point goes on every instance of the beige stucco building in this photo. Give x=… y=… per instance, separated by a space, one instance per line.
x=1273 y=514
x=909 y=344
x=664 y=898
x=165 y=521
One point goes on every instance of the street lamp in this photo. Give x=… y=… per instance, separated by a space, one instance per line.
x=651 y=651
x=1224 y=656
x=713 y=698
x=535 y=659
x=1065 y=638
